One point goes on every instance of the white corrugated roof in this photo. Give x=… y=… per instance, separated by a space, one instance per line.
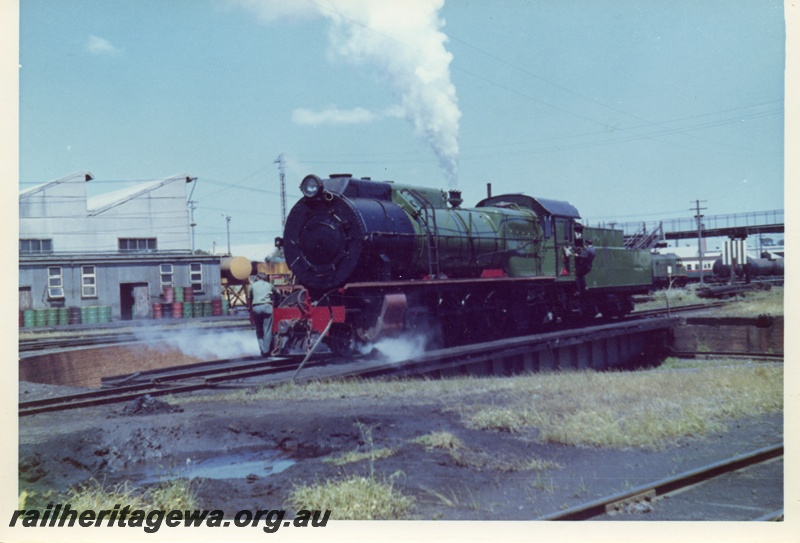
x=32 y=190
x=98 y=204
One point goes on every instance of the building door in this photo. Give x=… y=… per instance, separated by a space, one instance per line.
x=134 y=301
x=25 y=298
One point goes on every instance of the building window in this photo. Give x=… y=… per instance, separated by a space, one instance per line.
x=88 y=282
x=167 y=277
x=35 y=246
x=55 y=283
x=137 y=245
x=196 y=277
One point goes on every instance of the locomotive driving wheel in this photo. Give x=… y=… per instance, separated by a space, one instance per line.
x=494 y=317
x=453 y=319
x=341 y=339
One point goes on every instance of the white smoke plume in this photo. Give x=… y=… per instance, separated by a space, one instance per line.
x=404 y=41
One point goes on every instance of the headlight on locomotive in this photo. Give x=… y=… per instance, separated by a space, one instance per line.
x=311 y=186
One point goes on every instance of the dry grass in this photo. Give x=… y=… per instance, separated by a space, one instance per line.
x=417 y=389
x=642 y=409
x=751 y=304
x=175 y=494
x=95 y=495
x=439 y=440
x=465 y=457
x=675 y=296
x=354 y=498
x=762 y=302
x=358 y=456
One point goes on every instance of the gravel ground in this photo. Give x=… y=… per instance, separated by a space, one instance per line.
x=251 y=456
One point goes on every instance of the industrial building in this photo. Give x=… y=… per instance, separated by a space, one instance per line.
x=120 y=250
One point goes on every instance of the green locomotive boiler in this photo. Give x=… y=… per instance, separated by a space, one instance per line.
x=377 y=258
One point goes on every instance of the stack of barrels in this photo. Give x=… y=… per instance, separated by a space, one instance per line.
x=179 y=303
x=64 y=316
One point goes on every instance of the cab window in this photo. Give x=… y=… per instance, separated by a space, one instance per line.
x=564 y=230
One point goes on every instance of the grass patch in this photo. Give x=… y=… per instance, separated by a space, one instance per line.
x=464 y=457
x=95 y=495
x=371 y=453
x=449 y=498
x=675 y=296
x=750 y=304
x=439 y=440
x=354 y=498
x=641 y=409
x=412 y=389
x=174 y=494
x=756 y=303
x=358 y=456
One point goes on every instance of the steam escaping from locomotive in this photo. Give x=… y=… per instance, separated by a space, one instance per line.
x=403 y=40
x=397 y=349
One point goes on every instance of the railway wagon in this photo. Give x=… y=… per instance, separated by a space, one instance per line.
x=754 y=267
x=668 y=270
x=378 y=258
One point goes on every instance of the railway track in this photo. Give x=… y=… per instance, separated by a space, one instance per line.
x=213 y=374
x=193 y=377
x=711 y=355
x=159 y=383
x=676 y=310
x=103 y=336
x=648 y=496
x=89 y=340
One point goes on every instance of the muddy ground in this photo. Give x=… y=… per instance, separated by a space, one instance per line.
x=263 y=450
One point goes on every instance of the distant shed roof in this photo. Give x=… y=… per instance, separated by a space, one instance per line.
x=87 y=176
x=103 y=202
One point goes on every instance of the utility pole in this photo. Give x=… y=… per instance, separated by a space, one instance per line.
x=282 y=171
x=228 y=222
x=698 y=216
x=191 y=221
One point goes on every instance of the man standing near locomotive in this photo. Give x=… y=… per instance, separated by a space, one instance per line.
x=259 y=298
x=584 y=264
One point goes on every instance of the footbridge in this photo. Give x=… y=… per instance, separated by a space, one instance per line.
x=648 y=234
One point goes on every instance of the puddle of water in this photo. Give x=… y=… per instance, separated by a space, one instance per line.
x=236 y=465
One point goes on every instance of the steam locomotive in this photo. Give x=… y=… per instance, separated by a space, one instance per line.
x=378 y=259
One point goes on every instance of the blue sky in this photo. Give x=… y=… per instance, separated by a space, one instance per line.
x=630 y=110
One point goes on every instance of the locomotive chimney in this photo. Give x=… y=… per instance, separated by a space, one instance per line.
x=455 y=198
x=488 y=190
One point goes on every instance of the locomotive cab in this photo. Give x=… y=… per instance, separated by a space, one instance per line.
x=558 y=222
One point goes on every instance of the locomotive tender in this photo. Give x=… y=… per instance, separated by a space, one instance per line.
x=378 y=258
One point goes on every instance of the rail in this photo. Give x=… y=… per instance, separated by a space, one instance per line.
x=211 y=374
x=669 y=485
